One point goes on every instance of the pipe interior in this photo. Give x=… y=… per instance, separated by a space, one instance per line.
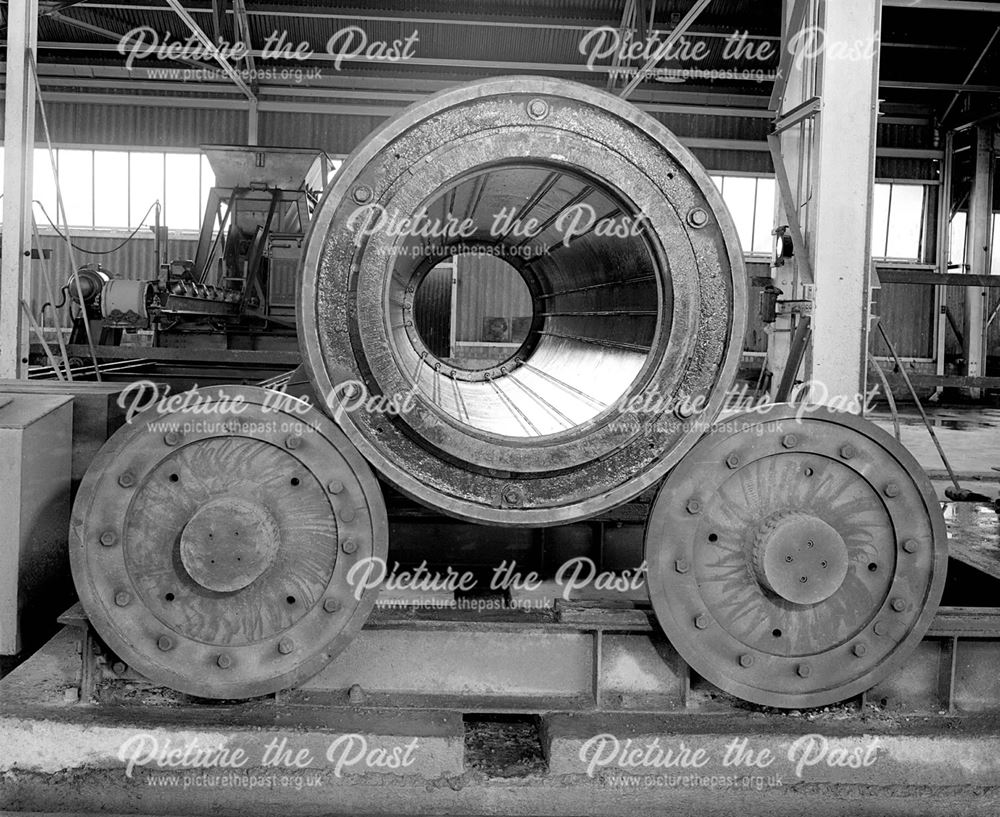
x=598 y=307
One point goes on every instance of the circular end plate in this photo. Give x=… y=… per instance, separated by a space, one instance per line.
x=212 y=538
x=777 y=565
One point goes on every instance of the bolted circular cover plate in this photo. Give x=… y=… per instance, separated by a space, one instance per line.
x=211 y=542
x=795 y=560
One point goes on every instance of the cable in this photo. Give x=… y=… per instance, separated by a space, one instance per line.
x=64 y=293
x=95 y=252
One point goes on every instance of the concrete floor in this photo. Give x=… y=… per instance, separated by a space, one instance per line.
x=970 y=437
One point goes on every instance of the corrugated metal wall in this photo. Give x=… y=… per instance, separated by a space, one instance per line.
x=85 y=123
x=487 y=288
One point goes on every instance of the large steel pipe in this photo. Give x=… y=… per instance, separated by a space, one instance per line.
x=637 y=287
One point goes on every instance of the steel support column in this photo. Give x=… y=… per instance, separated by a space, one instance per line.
x=845 y=163
x=978 y=253
x=19 y=138
x=943 y=249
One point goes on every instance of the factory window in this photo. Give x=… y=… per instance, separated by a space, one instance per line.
x=750 y=200
x=898 y=212
x=113 y=189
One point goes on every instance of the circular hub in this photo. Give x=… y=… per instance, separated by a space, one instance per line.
x=813 y=551
x=212 y=544
x=799 y=557
x=635 y=277
x=228 y=543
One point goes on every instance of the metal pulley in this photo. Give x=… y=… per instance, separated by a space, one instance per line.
x=212 y=538
x=636 y=280
x=796 y=557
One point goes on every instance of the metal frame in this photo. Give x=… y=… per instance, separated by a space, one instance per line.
x=615 y=636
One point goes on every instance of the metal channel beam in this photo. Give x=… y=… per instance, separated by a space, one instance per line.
x=672 y=38
x=19 y=140
x=206 y=41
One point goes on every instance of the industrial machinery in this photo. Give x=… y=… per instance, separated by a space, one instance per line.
x=241 y=284
x=794 y=556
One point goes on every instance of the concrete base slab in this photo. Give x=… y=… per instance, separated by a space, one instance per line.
x=178 y=756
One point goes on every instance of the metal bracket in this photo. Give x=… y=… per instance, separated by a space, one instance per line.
x=794 y=307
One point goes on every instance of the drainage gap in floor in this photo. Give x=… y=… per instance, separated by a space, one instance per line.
x=504 y=745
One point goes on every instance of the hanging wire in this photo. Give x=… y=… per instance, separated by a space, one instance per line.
x=78 y=248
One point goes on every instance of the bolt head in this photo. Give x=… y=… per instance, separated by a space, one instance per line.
x=165 y=643
x=512 y=495
x=538 y=108
x=803 y=670
x=331 y=605
x=224 y=661
x=293 y=441
x=109 y=538
x=119 y=668
x=693 y=506
x=123 y=598
x=349 y=546
x=910 y=545
x=847 y=451
x=859 y=650
x=880 y=628
x=362 y=194
x=733 y=461
x=746 y=660
x=285 y=646
x=701 y=621
x=789 y=441
x=335 y=486
x=891 y=490
x=347 y=515
x=171 y=438
x=127 y=479
x=898 y=605
x=697 y=217
x=682 y=566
